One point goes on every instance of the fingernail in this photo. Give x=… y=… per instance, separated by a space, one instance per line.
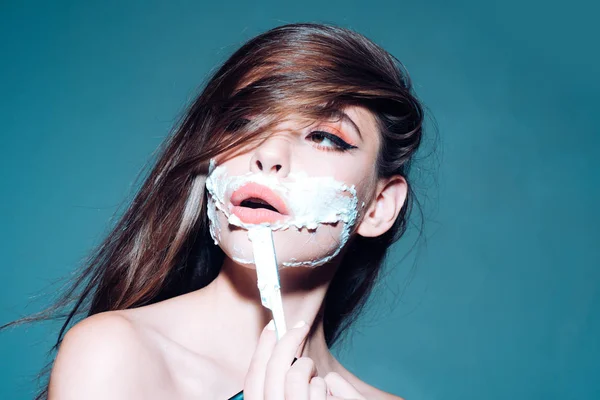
x=271 y=325
x=300 y=324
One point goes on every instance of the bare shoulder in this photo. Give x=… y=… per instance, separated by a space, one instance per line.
x=103 y=356
x=381 y=395
x=367 y=391
x=372 y=393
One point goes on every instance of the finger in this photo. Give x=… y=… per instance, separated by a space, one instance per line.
x=280 y=361
x=317 y=389
x=255 y=378
x=340 y=387
x=297 y=379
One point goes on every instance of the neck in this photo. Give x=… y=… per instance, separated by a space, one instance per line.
x=237 y=314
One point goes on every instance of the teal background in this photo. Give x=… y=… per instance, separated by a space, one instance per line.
x=503 y=302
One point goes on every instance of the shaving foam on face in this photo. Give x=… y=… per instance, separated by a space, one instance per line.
x=310 y=201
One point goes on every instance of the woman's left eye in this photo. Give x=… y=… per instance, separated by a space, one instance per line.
x=329 y=141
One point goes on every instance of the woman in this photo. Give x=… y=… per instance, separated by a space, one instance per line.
x=171 y=315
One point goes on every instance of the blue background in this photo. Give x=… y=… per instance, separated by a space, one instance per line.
x=503 y=301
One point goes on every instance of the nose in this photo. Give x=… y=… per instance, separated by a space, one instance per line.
x=272 y=157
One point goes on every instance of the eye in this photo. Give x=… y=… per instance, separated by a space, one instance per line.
x=329 y=141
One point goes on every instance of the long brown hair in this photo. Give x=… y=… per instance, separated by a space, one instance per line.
x=161 y=247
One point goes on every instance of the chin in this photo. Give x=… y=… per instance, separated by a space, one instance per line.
x=293 y=247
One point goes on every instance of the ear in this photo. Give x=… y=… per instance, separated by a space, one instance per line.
x=381 y=213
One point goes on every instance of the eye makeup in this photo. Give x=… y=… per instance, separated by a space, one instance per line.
x=335 y=137
x=338 y=136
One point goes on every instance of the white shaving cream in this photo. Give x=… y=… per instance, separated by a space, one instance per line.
x=310 y=201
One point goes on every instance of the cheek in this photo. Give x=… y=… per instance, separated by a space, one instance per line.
x=365 y=184
x=237 y=165
x=366 y=190
x=358 y=171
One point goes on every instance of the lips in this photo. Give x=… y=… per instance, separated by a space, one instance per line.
x=255 y=204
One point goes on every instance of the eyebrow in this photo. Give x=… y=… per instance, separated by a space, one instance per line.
x=342 y=115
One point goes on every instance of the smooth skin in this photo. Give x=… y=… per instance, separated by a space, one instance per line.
x=212 y=342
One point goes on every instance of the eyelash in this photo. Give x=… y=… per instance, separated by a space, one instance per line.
x=339 y=143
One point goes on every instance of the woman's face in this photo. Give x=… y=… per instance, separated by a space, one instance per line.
x=295 y=151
